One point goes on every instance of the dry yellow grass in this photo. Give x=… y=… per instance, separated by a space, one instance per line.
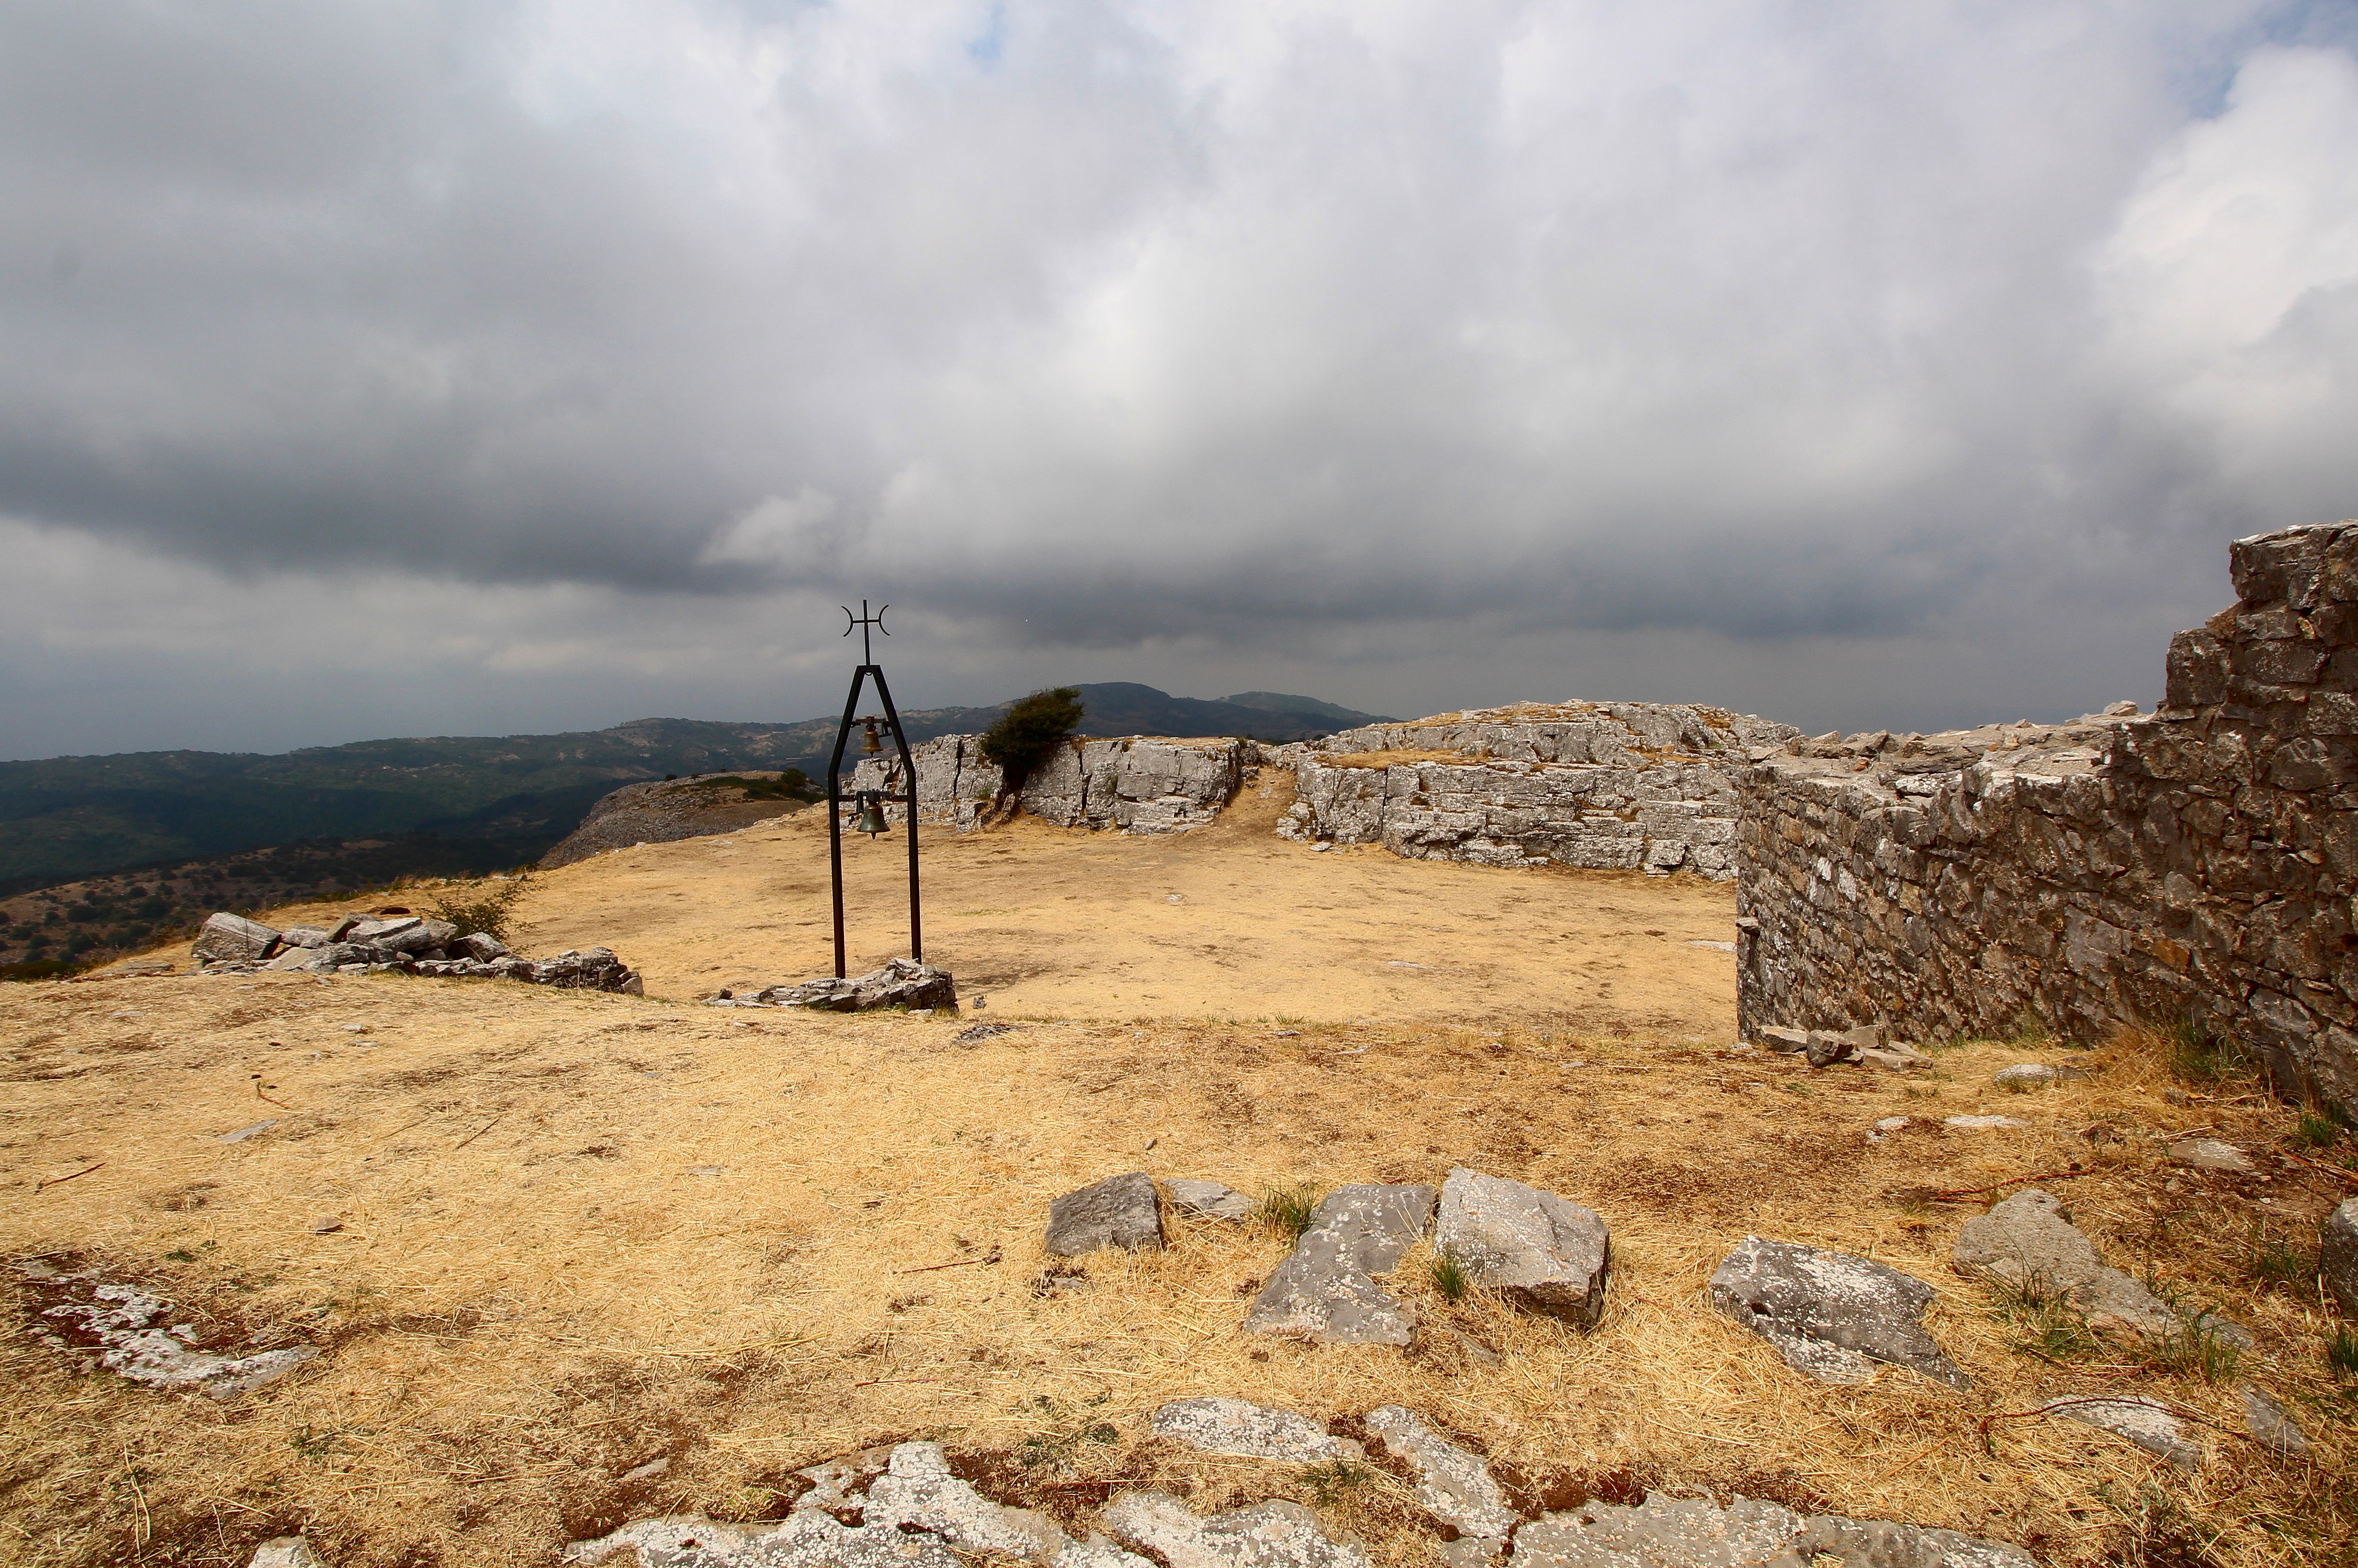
x=582 y=1232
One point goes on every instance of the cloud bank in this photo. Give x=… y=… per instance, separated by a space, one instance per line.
x=445 y=367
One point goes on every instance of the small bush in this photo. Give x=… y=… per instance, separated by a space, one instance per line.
x=2315 y=1130
x=1330 y=1481
x=1449 y=1277
x=477 y=908
x=1020 y=736
x=1288 y=1210
x=2198 y=1056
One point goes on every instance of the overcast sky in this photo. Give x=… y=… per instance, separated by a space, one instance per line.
x=393 y=368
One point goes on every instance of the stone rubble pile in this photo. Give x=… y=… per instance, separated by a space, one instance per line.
x=360 y=944
x=1615 y=786
x=1140 y=784
x=902 y=985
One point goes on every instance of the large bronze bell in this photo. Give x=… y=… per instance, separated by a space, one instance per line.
x=871 y=815
x=872 y=746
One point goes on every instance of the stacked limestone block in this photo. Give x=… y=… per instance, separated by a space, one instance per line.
x=2196 y=861
x=1139 y=784
x=1620 y=786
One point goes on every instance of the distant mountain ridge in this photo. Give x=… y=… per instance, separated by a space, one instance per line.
x=508 y=796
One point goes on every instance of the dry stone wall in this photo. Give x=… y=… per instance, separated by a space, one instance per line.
x=2199 y=861
x=1620 y=787
x=1139 y=784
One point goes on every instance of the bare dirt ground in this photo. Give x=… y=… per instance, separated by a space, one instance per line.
x=580 y=1233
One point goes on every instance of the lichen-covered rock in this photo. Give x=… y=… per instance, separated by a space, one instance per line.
x=807 y=1539
x=1265 y=1535
x=1453 y=1484
x=1829 y=1315
x=918 y=1489
x=1120 y=1211
x=1326 y=1291
x=1217 y=1425
x=1543 y=1253
x=2270 y=1427
x=119 y=1322
x=2028 y=1240
x=1208 y=1199
x=2338 y=1256
x=1695 y=1532
x=2152 y=1427
x=901 y=983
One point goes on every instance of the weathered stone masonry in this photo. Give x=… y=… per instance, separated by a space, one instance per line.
x=2199 y=861
x=1139 y=784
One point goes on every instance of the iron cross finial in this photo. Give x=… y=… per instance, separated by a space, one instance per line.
x=863 y=620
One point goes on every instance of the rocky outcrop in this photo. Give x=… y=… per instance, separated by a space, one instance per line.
x=1141 y=784
x=2029 y=1242
x=2197 y=862
x=901 y=984
x=664 y=810
x=1120 y=1211
x=415 y=945
x=1829 y=1315
x=2338 y=1256
x=1326 y=1289
x=1220 y=1425
x=1617 y=786
x=1541 y=1252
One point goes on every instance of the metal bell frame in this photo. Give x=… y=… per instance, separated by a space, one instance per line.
x=871 y=801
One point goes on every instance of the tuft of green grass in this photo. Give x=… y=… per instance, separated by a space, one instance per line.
x=2199 y=1352
x=2198 y=1056
x=2341 y=1354
x=1449 y=1277
x=2273 y=1260
x=2319 y=1125
x=1288 y=1211
x=2048 y=1325
x=1328 y=1482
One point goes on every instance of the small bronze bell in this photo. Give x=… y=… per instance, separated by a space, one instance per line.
x=871 y=815
x=872 y=746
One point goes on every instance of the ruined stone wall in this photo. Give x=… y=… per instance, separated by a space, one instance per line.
x=1139 y=784
x=2199 y=861
x=1620 y=787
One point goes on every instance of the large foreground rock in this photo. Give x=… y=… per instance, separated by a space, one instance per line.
x=1191 y=1195
x=1543 y=1253
x=1829 y=1315
x=901 y=983
x=1266 y=1535
x=1217 y=1425
x=228 y=938
x=1453 y=1484
x=2152 y=1427
x=808 y=1540
x=1325 y=1290
x=2028 y=1241
x=918 y=1489
x=1695 y=1532
x=2338 y=1256
x=1120 y=1211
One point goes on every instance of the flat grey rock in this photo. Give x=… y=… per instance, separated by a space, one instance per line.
x=2270 y=1427
x=2210 y=1154
x=1256 y=1432
x=1265 y=1535
x=918 y=1489
x=1983 y=1123
x=2026 y=1075
x=1453 y=1484
x=808 y=1540
x=1827 y=1046
x=232 y=938
x=482 y=947
x=1542 y=1253
x=302 y=936
x=1893 y=1061
x=2150 y=1426
x=1787 y=1041
x=393 y=932
x=1326 y=1291
x=1829 y=1315
x=287 y=1552
x=1120 y=1211
x=1208 y=1199
x=1695 y=1532
x=2030 y=1237
x=120 y=1322
x=2338 y=1256
x=1097 y=1552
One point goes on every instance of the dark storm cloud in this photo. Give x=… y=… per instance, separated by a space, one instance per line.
x=1188 y=333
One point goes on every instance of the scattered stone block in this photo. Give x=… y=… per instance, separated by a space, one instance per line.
x=918 y=1489
x=2338 y=1256
x=482 y=947
x=1208 y=1199
x=1827 y=1046
x=1266 y=1535
x=1453 y=1484
x=2026 y=1075
x=287 y=1552
x=807 y=1539
x=303 y=936
x=1120 y=1211
x=1326 y=1291
x=1256 y=1431
x=2150 y=1426
x=1787 y=1041
x=2270 y=1427
x=2029 y=1238
x=2210 y=1154
x=1829 y=1315
x=1543 y=1253
x=1893 y=1061
x=227 y=938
